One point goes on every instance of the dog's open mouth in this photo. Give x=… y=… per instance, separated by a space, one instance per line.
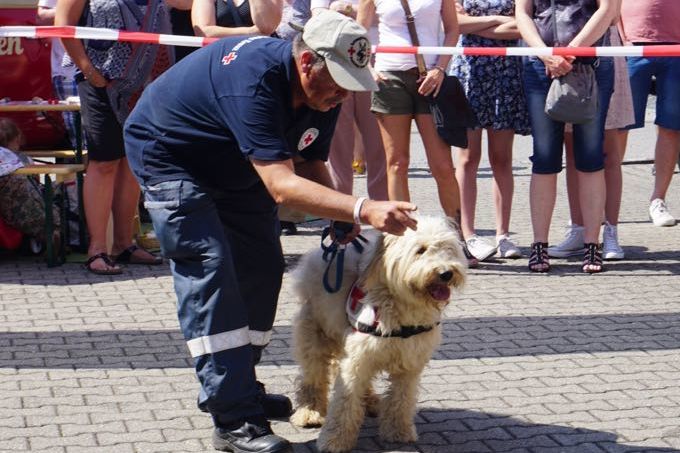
x=439 y=291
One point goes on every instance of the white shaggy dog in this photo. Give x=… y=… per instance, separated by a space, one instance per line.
x=394 y=291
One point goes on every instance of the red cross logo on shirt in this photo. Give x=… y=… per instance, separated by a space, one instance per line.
x=229 y=58
x=307 y=138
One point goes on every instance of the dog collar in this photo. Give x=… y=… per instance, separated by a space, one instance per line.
x=364 y=318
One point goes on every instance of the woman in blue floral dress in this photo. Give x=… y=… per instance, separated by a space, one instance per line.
x=494 y=89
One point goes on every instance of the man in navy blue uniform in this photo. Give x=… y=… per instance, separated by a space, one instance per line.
x=216 y=143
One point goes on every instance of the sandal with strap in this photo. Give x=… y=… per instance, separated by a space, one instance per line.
x=539 y=260
x=127 y=257
x=111 y=268
x=592 y=257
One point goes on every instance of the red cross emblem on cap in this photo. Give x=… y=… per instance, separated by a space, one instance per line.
x=231 y=56
x=359 y=52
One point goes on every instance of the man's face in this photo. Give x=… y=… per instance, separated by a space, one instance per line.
x=321 y=91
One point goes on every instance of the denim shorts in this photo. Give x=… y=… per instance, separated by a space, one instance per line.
x=667 y=73
x=548 y=134
x=398 y=94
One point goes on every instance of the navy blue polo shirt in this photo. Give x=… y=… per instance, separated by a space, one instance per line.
x=223 y=104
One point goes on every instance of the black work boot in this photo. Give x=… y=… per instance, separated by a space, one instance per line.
x=250 y=435
x=274 y=406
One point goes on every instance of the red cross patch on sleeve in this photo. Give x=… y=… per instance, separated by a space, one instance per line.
x=307 y=138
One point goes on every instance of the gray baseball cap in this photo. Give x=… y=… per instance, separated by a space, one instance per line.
x=344 y=45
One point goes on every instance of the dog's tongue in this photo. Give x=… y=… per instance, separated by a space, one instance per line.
x=440 y=292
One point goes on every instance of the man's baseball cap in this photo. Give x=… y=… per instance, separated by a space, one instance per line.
x=344 y=45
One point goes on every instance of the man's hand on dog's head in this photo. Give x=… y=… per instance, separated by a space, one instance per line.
x=390 y=216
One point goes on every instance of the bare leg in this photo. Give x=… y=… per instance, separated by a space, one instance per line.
x=572 y=181
x=592 y=194
x=98 y=195
x=125 y=200
x=396 y=131
x=542 y=193
x=372 y=145
x=665 y=159
x=440 y=162
x=466 y=174
x=500 y=158
x=340 y=157
x=614 y=150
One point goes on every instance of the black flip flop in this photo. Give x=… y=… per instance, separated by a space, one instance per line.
x=112 y=269
x=127 y=257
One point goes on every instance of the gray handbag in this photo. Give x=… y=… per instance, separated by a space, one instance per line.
x=572 y=98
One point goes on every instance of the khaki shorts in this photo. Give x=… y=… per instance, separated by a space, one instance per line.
x=398 y=94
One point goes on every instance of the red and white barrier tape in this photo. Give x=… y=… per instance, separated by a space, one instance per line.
x=192 y=41
x=102 y=34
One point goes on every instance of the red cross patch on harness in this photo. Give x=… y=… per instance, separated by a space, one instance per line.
x=361 y=316
x=308 y=138
x=231 y=56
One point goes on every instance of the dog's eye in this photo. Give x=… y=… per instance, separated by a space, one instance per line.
x=421 y=250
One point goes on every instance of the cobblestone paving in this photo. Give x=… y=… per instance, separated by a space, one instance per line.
x=563 y=362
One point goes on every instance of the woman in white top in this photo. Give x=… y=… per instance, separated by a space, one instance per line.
x=402 y=91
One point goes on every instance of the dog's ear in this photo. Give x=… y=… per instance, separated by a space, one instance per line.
x=459 y=276
x=374 y=274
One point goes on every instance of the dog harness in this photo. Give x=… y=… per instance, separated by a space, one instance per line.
x=337 y=250
x=364 y=318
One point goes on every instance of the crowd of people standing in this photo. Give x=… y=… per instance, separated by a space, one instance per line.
x=507 y=95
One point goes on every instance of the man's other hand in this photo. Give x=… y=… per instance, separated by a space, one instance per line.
x=389 y=216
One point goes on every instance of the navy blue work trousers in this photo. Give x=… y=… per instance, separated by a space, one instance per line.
x=227 y=263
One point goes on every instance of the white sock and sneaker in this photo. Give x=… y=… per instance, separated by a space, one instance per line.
x=480 y=248
x=611 y=250
x=571 y=245
x=659 y=214
x=483 y=249
x=507 y=248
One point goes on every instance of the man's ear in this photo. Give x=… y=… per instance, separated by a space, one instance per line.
x=306 y=61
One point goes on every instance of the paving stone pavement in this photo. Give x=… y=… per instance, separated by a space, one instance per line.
x=562 y=362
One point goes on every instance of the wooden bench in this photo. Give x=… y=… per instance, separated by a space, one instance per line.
x=62 y=170
x=54 y=257
x=57 y=154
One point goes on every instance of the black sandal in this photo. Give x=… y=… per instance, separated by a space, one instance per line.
x=539 y=261
x=112 y=269
x=127 y=257
x=592 y=257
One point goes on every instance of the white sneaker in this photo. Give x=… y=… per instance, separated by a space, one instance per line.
x=571 y=245
x=659 y=214
x=506 y=248
x=610 y=243
x=480 y=247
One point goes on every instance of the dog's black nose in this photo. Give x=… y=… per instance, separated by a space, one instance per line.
x=446 y=276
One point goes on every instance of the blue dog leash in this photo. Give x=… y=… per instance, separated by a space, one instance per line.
x=337 y=250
